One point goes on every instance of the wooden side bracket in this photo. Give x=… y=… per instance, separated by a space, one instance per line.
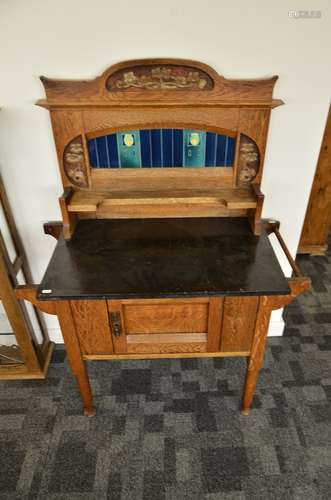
x=29 y=293
x=297 y=286
x=298 y=283
x=53 y=228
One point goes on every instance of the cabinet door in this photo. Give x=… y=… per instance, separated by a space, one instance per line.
x=165 y=326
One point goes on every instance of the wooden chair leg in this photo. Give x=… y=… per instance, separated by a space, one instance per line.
x=75 y=359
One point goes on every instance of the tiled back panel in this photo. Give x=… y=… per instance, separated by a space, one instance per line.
x=161 y=148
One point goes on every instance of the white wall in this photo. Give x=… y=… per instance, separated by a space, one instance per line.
x=240 y=39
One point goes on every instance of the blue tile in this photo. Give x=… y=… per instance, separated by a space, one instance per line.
x=210 y=149
x=145 y=147
x=178 y=147
x=112 y=151
x=91 y=145
x=221 y=150
x=167 y=147
x=229 y=160
x=102 y=151
x=156 y=148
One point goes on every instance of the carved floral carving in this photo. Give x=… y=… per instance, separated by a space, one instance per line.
x=74 y=162
x=249 y=160
x=168 y=77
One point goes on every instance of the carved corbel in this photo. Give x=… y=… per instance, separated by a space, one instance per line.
x=249 y=160
x=74 y=162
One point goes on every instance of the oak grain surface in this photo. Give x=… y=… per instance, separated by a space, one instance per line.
x=166 y=318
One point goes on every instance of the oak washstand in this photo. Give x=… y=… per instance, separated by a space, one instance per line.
x=162 y=251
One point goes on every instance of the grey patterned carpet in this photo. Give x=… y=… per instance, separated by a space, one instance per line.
x=173 y=430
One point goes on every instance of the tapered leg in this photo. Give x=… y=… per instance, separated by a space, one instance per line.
x=255 y=361
x=250 y=384
x=75 y=356
x=85 y=391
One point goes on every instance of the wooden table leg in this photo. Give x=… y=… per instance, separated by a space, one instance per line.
x=75 y=359
x=255 y=361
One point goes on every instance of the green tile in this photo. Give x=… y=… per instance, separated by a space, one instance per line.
x=128 y=146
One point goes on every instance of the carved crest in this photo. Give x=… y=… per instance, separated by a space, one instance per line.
x=74 y=162
x=166 y=77
x=249 y=160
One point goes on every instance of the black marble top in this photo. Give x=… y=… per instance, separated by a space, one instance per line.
x=153 y=258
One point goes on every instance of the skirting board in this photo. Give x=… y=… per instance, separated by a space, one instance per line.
x=276 y=329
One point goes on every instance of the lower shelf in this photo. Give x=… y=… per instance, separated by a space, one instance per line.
x=181 y=203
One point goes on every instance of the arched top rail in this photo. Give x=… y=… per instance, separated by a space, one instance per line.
x=173 y=82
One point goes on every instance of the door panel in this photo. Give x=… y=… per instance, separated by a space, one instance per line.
x=160 y=326
x=92 y=326
x=212 y=325
x=239 y=315
x=166 y=318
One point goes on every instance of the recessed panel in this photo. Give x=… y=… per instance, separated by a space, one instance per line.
x=162 y=148
x=166 y=318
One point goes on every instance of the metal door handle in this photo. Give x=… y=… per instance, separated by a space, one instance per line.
x=116 y=324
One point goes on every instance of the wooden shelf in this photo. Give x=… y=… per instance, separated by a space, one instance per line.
x=107 y=204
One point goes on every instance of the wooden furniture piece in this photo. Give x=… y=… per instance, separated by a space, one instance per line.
x=28 y=359
x=162 y=251
x=317 y=222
